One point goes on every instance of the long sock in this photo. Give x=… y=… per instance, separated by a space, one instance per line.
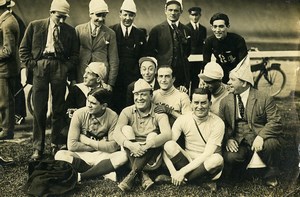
x=79 y=165
x=140 y=162
x=103 y=167
x=198 y=172
x=179 y=161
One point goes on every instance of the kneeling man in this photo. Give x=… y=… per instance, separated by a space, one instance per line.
x=91 y=148
x=203 y=132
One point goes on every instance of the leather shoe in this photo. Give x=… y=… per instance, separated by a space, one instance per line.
x=6 y=136
x=271 y=182
x=37 y=155
x=54 y=149
x=212 y=186
x=146 y=181
x=6 y=161
x=127 y=182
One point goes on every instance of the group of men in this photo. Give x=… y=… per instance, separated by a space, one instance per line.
x=118 y=71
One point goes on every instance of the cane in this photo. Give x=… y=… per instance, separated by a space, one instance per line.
x=21 y=89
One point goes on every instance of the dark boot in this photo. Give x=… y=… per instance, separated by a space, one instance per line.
x=128 y=181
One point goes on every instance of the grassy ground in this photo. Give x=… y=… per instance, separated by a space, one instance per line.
x=13 y=178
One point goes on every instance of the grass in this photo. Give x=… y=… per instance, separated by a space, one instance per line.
x=14 y=177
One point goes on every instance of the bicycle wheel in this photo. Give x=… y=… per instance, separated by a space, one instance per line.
x=272 y=81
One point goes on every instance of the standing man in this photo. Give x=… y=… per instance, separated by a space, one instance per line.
x=228 y=48
x=141 y=132
x=212 y=79
x=252 y=124
x=92 y=150
x=168 y=99
x=131 y=47
x=148 y=67
x=98 y=43
x=9 y=68
x=50 y=49
x=170 y=43
x=203 y=133
x=198 y=35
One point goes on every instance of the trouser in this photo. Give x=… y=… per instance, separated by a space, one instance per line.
x=7 y=105
x=236 y=162
x=53 y=72
x=20 y=106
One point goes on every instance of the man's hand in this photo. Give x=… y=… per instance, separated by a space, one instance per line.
x=183 y=89
x=83 y=139
x=136 y=149
x=178 y=177
x=163 y=108
x=109 y=88
x=72 y=82
x=257 y=144
x=232 y=145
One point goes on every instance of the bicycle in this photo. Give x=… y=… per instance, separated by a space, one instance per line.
x=270 y=79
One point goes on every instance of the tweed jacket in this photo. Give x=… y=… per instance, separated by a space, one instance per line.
x=197 y=38
x=160 y=43
x=34 y=42
x=102 y=48
x=9 y=39
x=261 y=112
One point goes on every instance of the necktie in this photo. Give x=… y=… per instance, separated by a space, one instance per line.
x=197 y=27
x=95 y=32
x=126 y=33
x=241 y=106
x=56 y=42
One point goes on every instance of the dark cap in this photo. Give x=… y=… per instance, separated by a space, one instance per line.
x=195 y=10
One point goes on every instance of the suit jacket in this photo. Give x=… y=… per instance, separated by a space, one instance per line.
x=129 y=94
x=197 y=38
x=261 y=112
x=102 y=48
x=9 y=39
x=129 y=54
x=34 y=42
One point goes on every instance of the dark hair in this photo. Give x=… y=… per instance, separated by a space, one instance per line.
x=102 y=95
x=203 y=91
x=219 y=16
x=166 y=66
x=173 y=2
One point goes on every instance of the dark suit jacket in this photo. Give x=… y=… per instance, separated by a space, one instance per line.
x=103 y=48
x=9 y=40
x=129 y=54
x=129 y=94
x=34 y=42
x=261 y=112
x=197 y=38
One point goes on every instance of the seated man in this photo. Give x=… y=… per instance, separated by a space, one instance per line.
x=148 y=71
x=212 y=79
x=203 y=131
x=142 y=132
x=92 y=150
x=252 y=123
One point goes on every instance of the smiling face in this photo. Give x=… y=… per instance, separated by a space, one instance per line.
x=127 y=18
x=236 y=85
x=219 y=29
x=94 y=106
x=165 y=78
x=142 y=100
x=173 y=12
x=200 y=105
x=147 y=70
x=98 y=19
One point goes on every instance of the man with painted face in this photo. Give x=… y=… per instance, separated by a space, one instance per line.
x=203 y=131
x=131 y=47
x=141 y=132
x=170 y=43
x=228 y=48
x=148 y=67
x=252 y=124
x=49 y=48
x=98 y=43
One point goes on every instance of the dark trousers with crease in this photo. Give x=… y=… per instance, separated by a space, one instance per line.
x=53 y=72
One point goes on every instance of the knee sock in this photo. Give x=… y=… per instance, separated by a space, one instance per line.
x=79 y=165
x=103 y=167
x=198 y=172
x=179 y=161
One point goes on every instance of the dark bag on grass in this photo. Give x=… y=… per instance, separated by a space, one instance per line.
x=50 y=177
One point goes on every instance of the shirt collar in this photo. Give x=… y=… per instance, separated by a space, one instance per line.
x=151 y=112
x=170 y=23
x=244 y=95
x=93 y=26
x=124 y=29
x=51 y=24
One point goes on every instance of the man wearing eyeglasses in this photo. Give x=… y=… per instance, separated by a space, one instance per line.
x=50 y=49
x=98 y=43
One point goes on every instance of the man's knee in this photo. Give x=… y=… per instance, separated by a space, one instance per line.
x=233 y=157
x=214 y=161
x=64 y=155
x=118 y=159
x=171 y=148
x=128 y=132
x=272 y=144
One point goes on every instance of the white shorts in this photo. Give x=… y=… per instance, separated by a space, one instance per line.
x=93 y=158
